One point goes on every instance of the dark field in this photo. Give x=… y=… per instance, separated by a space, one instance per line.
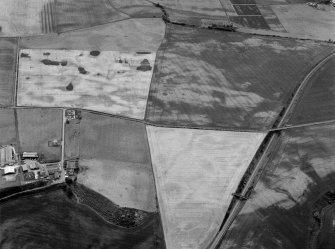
x=8 y=49
x=317 y=102
x=106 y=137
x=243 y=1
x=327 y=238
x=244 y=9
x=211 y=8
x=52 y=220
x=76 y=14
x=36 y=127
x=72 y=139
x=137 y=8
x=207 y=78
x=8 y=134
x=281 y=212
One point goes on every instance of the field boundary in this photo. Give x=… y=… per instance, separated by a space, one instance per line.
x=145 y=122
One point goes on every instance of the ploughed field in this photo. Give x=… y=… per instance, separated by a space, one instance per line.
x=292 y=203
x=317 y=101
x=54 y=219
x=207 y=78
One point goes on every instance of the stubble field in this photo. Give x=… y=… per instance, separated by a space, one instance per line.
x=196 y=173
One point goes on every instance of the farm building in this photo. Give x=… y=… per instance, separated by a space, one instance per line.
x=24 y=167
x=7 y=155
x=10 y=170
x=29 y=155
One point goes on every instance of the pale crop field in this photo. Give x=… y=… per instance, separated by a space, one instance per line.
x=108 y=81
x=305 y=20
x=127 y=184
x=115 y=161
x=196 y=172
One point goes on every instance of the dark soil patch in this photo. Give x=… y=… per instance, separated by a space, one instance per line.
x=145 y=66
x=95 y=53
x=53 y=63
x=82 y=70
x=69 y=87
x=24 y=55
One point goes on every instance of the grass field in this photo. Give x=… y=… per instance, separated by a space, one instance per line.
x=115 y=161
x=137 y=8
x=111 y=82
x=305 y=20
x=21 y=18
x=279 y=213
x=51 y=219
x=208 y=7
x=212 y=79
x=317 y=102
x=8 y=134
x=135 y=35
x=196 y=172
x=38 y=126
x=8 y=54
x=78 y=14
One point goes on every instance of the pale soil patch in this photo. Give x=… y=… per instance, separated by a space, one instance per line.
x=304 y=20
x=21 y=17
x=111 y=82
x=136 y=35
x=196 y=172
x=125 y=183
